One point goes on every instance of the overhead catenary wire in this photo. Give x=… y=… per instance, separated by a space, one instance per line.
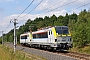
x=82 y=5
x=62 y=6
x=43 y=10
x=20 y=14
x=15 y=27
x=51 y=6
x=7 y=26
x=34 y=8
x=25 y=8
x=79 y=7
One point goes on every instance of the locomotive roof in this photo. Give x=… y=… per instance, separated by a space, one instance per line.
x=61 y=26
x=42 y=30
x=45 y=29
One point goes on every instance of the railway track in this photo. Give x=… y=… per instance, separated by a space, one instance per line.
x=75 y=55
x=71 y=54
x=78 y=55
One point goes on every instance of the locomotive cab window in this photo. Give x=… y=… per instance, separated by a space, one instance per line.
x=65 y=30
x=58 y=30
x=62 y=30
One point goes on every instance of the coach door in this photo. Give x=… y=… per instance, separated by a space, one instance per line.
x=50 y=38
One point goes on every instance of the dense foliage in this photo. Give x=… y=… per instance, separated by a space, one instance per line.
x=79 y=26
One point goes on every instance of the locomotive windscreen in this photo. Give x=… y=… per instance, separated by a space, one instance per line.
x=62 y=30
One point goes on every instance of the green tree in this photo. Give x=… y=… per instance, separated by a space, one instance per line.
x=52 y=20
x=66 y=20
x=59 y=21
x=72 y=20
x=80 y=32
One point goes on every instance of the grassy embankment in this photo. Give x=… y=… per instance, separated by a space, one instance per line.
x=7 y=53
x=84 y=50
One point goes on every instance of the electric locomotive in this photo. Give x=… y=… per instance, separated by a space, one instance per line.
x=54 y=38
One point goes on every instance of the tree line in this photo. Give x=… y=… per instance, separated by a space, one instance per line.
x=79 y=26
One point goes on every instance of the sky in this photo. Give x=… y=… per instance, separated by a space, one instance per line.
x=11 y=9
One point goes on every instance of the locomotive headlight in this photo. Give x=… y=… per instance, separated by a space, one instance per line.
x=69 y=44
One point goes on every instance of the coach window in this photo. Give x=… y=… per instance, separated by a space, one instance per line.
x=24 y=37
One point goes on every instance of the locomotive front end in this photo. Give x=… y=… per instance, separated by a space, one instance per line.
x=63 y=39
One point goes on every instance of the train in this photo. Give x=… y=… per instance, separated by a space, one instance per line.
x=50 y=38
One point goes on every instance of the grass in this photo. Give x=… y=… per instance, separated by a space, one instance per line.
x=7 y=53
x=84 y=50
